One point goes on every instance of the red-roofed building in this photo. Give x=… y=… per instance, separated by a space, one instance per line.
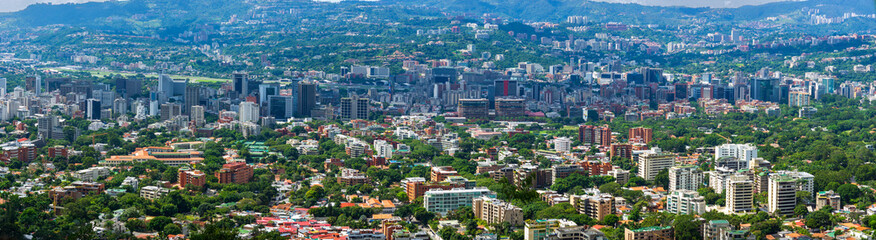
x=238 y=172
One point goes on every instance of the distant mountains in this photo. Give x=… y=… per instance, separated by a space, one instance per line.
x=164 y=14
x=556 y=10
x=696 y=3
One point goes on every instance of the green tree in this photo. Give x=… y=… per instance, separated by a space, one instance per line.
x=158 y=223
x=818 y=219
x=686 y=228
x=172 y=228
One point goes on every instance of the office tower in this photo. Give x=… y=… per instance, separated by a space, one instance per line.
x=688 y=177
x=444 y=75
x=681 y=91
x=165 y=85
x=3 y=88
x=444 y=201
x=495 y=211
x=120 y=106
x=354 y=107
x=651 y=162
x=267 y=90
x=782 y=194
x=34 y=84
x=93 y=106
x=685 y=202
x=306 y=98
x=197 y=115
x=129 y=87
x=641 y=135
x=768 y=90
x=169 y=87
x=505 y=88
x=507 y=107
x=652 y=75
x=740 y=194
x=192 y=98
x=473 y=108
x=153 y=108
x=50 y=127
x=281 y=107
x=249 y=112
x=170 y=110
x=594 y=135
x=239 y=83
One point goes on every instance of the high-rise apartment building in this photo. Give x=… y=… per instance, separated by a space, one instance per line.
x=444 y=201
x=249 y=112
x=741 y=152
x=685 y=202
x=596 y=206
x=653 y=161
x=197 y=115
x=237 y=172
x=170 y=110
x=594 y=135
x=782 y=195
x=495 y=211
x=641 y=135
x=687 y=177
x=649 y=233
x=740 y=194
x=49 y=127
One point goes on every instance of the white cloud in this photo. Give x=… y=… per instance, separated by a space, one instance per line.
x=15 y=5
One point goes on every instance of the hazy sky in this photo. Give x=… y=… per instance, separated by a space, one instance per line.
x=15 y=5
x=696 y=3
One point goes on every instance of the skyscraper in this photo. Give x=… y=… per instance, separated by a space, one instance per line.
x=354 y=107
x=249 y=112
x=238 y=82
x=49 y=128
x=169 y=110
x=267 y=90
x=505 y=88
x=280 y=107
x=192 y=98
x=306 y=98
x=120 y=106
x=93 y=108
x=2 y=87
x=197 y=115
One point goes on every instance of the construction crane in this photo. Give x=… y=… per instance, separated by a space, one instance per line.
x=95 y=135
